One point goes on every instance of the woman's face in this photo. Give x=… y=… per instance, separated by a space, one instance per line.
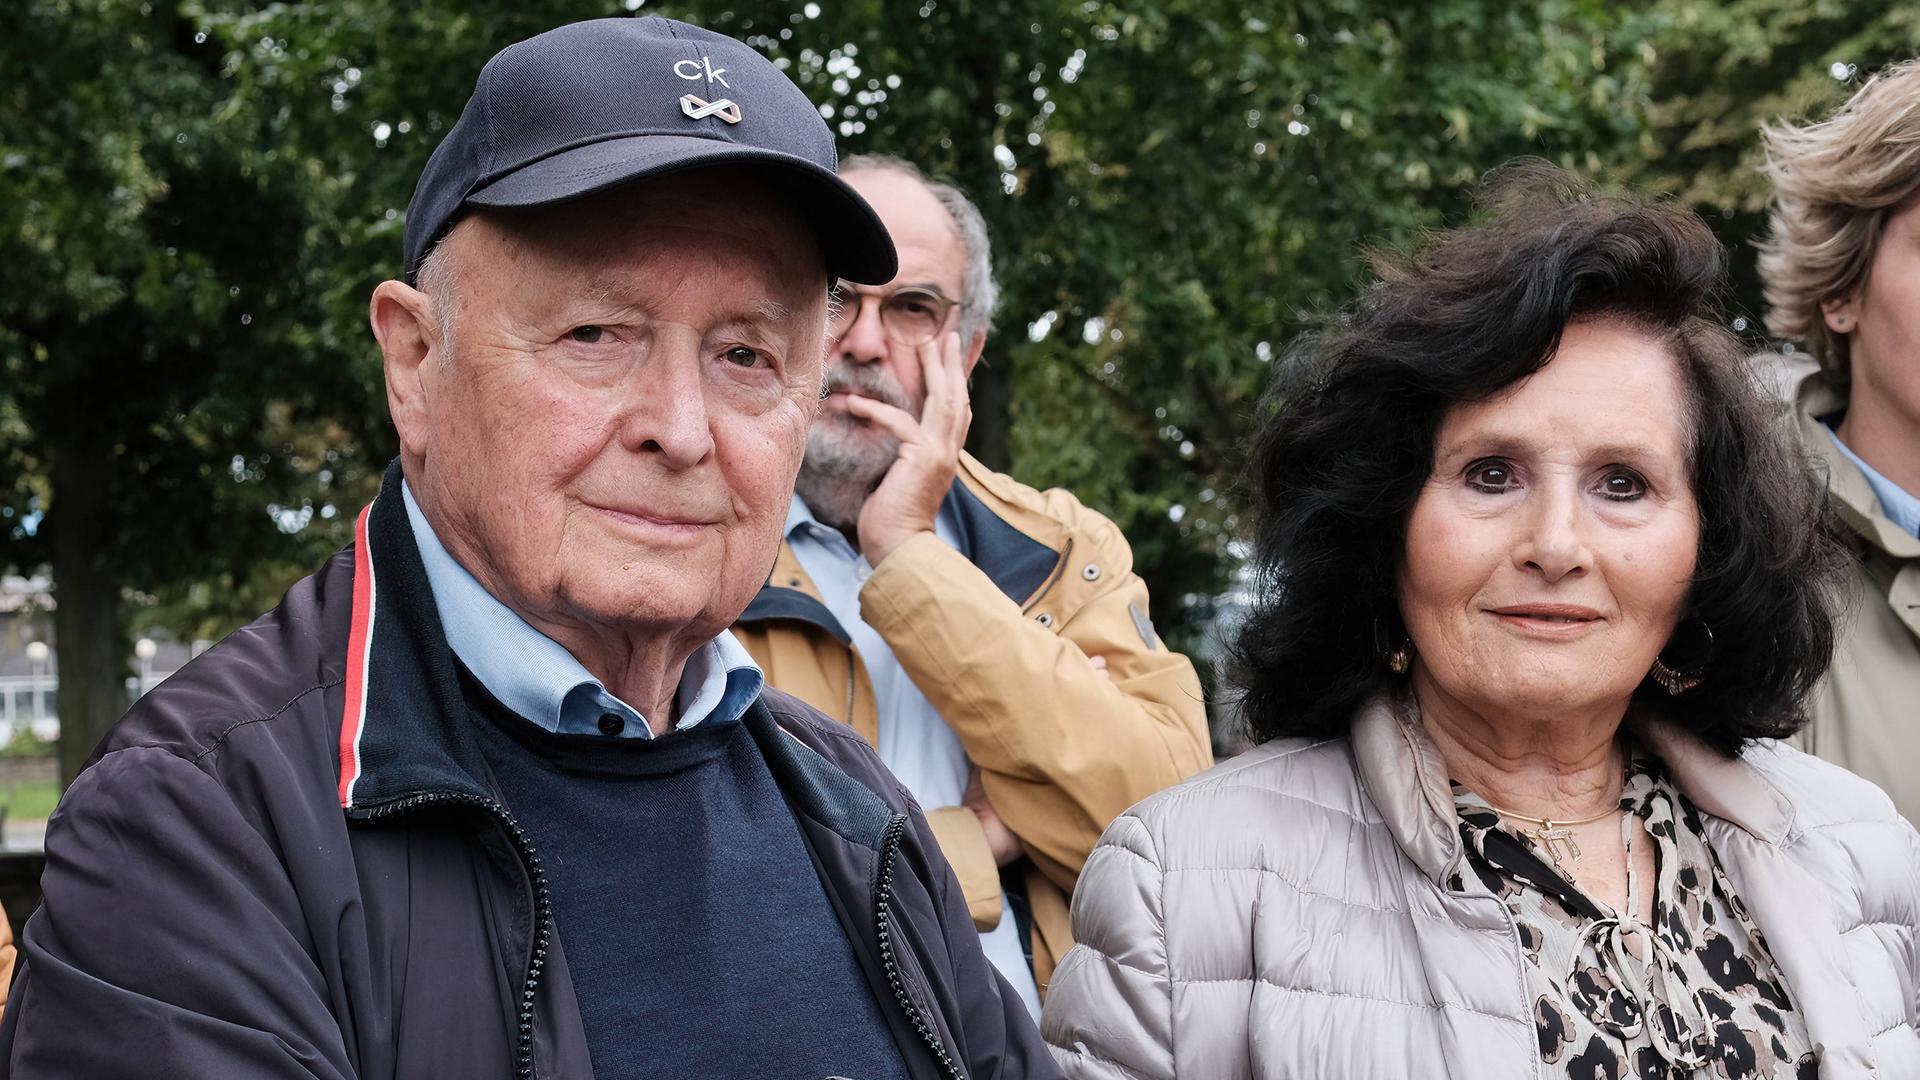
x=1549 y=555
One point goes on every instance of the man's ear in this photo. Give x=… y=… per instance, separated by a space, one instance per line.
x=1842 y=315
x=974 y=348
x=409 y=333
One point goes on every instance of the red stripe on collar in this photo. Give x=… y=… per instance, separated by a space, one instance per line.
x=359 y=643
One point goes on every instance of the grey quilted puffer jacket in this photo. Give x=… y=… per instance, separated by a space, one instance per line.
x=1283 y=916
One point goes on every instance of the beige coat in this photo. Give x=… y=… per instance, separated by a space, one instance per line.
x=1284 y=916
x=1866 y=714
x=999 y=643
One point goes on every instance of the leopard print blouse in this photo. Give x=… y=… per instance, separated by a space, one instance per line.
x=1718 y=1006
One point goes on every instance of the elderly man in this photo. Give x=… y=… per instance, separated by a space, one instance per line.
x=991 y=640
x=494 y=793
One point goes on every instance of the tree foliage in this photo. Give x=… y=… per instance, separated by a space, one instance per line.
x=197 y=197
x=1721 y=70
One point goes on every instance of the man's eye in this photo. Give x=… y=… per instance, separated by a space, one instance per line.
x=1491 y=476
x=587 y=335
x=743 y=356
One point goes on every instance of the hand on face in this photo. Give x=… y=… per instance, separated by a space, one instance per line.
x=910 y=494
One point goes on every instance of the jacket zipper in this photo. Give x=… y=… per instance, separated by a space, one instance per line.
x=890 y=963
x=537 y=878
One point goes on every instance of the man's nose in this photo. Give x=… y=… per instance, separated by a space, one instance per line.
x=664 y=409
x=865 y=340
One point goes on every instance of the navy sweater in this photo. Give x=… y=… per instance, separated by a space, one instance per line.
x=700 y=940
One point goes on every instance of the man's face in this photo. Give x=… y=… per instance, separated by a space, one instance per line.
x=609 y=436
x=865 y=360
x=1884 y=335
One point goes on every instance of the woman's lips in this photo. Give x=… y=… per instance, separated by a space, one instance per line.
x=1550 y=620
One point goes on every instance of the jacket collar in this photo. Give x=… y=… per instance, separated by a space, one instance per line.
x=404 y=729
x=1011 y=545
x=1402 y=773
x=1817 y=397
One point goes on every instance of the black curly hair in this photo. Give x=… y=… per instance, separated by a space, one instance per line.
x=1345 y=444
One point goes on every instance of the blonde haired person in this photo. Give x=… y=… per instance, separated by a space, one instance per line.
x=1841 y=265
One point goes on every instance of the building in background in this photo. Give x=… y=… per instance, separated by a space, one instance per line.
x=29 y=670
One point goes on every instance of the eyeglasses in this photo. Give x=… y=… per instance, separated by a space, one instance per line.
x=911 y=316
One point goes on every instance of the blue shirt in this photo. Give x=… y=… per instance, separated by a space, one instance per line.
x=915 y=742
x=1901 y=506
x=537 y=678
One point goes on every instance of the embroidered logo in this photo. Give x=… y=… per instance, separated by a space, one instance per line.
x=697 y=109
x=701 y=69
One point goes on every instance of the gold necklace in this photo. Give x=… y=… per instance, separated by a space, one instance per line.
x=1553 y=835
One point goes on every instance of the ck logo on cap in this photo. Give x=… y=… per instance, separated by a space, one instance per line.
x=703 y=67
x=697 y=109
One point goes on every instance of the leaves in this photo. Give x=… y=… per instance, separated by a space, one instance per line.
x=198 y=196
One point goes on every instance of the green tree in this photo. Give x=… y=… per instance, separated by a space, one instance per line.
x=1175 y=189
x=161 y=435
x=1721 y=70
x=197 y=197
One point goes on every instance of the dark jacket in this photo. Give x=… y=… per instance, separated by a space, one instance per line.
x=289 y=861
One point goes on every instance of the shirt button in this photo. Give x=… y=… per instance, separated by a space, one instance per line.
x=611 y=724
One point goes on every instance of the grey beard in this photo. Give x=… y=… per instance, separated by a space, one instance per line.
x=839 y=473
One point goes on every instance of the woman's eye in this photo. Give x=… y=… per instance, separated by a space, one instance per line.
x=743 y=356
x=1492 y=476
x=1623 y=484
x=587 y=335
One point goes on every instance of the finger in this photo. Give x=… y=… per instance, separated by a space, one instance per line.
x=947 y=412
x=933 y=374
x=1100 y=665
x=897 y=422
x=948 y=369
x=956 y=361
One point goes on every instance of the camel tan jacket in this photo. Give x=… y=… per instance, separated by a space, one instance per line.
x=1297 y=912
x=998 y=634
x=1866 y=714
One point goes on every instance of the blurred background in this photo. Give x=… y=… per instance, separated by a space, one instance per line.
x=196 y=198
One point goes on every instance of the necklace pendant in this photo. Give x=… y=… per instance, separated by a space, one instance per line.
x=1555 y=840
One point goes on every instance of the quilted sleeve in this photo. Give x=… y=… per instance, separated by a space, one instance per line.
x=1109 y=1010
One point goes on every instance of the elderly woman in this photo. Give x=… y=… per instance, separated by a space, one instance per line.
x=1542 y=585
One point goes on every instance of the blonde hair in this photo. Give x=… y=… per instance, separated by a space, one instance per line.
x=1835 y=182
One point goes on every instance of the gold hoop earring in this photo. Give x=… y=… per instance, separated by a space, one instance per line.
x=1677 y=682
x=1400 y=659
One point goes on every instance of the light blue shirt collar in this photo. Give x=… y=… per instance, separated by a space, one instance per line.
x=1901 y=506
x=798 y=514
x=537 y=678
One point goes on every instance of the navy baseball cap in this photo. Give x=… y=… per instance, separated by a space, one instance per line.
x=593 y=105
